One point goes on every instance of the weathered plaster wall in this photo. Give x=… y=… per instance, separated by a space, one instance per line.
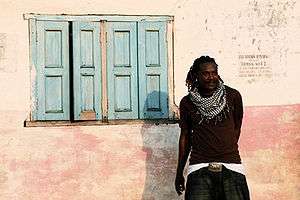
x=126 y=162
x=270 y=149
x=139 y=161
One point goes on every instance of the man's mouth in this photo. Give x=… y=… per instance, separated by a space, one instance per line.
x=212 y=83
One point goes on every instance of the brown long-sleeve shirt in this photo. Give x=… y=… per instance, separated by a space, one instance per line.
x=213 y=142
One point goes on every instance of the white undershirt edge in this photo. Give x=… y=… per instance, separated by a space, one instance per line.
x=232 y=166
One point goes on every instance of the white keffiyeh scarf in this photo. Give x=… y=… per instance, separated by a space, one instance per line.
x=213 y=108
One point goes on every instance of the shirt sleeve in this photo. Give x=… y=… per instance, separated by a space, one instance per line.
x=184 y=122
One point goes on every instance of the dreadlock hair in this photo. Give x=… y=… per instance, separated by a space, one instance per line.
x=191 y=78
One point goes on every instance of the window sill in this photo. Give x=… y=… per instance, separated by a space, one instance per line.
x=98 y=123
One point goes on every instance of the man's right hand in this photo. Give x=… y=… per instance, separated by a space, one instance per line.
x=183 y=153
x=179 y=184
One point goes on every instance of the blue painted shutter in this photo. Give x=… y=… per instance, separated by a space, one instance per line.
x=153 y=79
x=52 y=71
x=87 y=70
x=122 y=70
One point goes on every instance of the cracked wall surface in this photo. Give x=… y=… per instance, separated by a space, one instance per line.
x=257 y=47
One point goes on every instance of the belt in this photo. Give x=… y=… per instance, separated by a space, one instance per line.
x=215 y=167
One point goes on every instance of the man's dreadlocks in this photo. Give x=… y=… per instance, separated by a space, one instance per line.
x=191 y=78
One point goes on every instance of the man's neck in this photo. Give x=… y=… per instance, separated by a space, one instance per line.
x=205 y=93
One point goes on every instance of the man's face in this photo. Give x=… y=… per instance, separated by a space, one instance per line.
x=208 y=76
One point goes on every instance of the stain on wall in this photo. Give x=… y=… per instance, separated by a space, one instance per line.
x=134 y=162
x=2 y=50
x=8 y=52
x=270 y=147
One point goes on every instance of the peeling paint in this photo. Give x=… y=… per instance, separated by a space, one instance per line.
x=134 y=162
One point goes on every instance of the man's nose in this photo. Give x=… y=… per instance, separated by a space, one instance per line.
x=211 y=76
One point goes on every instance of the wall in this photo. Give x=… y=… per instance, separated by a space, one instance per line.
x=256 y=44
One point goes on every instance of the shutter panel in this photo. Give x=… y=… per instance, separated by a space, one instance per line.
x=52 y=71
x=153 y=80
x=87 y=70
x=122 y=70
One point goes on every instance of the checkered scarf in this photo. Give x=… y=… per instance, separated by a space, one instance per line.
x=214 y=108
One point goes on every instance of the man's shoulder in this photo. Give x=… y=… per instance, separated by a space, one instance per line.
x=231 y=90
x=185 y=100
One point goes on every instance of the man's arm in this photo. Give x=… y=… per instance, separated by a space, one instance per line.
x=238 y=113
x=184 y=150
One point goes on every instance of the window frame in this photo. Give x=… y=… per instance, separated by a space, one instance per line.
x=103 y=19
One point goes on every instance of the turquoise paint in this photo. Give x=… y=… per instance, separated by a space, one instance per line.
x=136 y=70
x=33 y=59
x=87 y=68
x=53 y=89
x=53 y=44
x=152 y=48
x=121 y=48
x=153 y=102
x=86 y=47
x=87 y=93
x=153 y=79
x=123 y=89
x=122 y=70
x=52 y=71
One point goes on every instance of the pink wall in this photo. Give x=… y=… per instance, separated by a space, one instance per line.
x=139 y=161
x=134 y=162
x=270 y=147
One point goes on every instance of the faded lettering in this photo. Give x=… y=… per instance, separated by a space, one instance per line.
x=254 y=65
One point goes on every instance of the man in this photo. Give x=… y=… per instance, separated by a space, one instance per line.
x=210 y=121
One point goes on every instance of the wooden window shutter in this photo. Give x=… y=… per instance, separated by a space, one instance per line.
x=153 y=79
x=52 y=71
x=122 y=70
x=87 y=70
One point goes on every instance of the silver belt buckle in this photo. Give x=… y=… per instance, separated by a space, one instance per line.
x=215 y=167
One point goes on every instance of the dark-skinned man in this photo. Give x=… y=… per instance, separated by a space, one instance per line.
x=210 y=121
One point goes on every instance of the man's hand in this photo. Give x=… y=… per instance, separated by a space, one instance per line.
x=179 y=184
x=184 y=150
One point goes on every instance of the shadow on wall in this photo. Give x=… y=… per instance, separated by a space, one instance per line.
x=160 y=143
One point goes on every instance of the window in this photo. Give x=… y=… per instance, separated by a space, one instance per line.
x=101 y=67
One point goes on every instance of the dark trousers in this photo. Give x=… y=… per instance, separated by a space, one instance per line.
x=207 y=185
